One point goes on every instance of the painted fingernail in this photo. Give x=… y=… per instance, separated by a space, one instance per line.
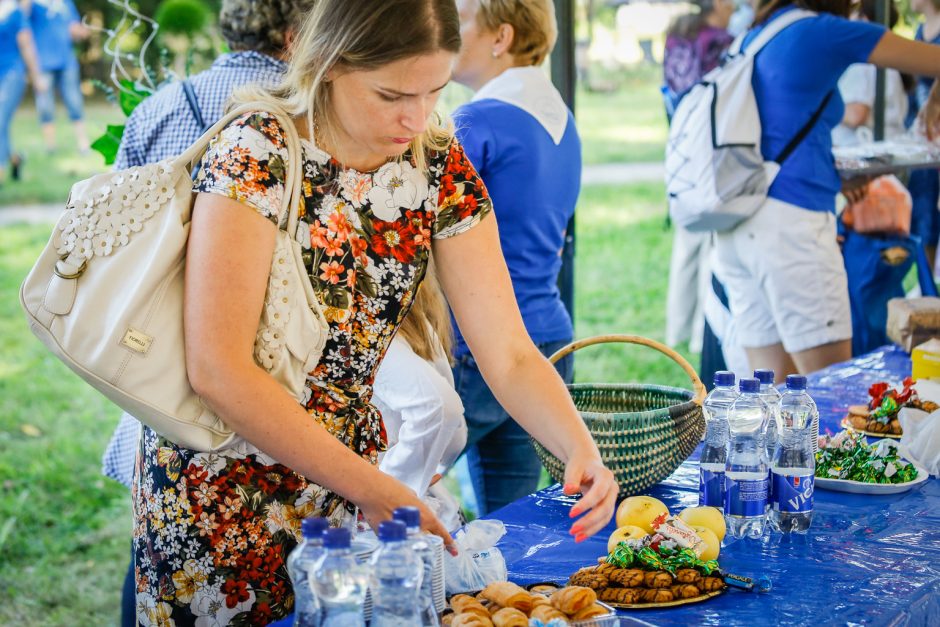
x=573 y=512
x=581 y=537
x=452 y=549
x=576 y=529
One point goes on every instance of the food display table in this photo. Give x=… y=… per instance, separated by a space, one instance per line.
x=885 y=157
x=871 y=560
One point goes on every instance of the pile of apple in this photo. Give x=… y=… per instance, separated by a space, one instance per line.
x=636 y=514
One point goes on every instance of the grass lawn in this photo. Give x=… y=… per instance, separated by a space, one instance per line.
x=65 y=529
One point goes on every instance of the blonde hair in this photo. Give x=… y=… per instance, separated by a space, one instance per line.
x=533 y=23
x=353 y=35
x=427 y=326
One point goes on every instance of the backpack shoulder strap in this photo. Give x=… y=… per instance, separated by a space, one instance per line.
x=770 y=31
x=193 y=103
x=791 y=146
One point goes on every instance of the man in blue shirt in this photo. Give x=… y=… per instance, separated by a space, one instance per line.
x=55 y=25
x=258 y=32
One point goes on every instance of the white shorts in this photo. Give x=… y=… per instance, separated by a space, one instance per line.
x=785 y=279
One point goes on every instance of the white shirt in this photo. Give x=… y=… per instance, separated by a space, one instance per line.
x=424 y=423
x=857 y=85
x=531 y=90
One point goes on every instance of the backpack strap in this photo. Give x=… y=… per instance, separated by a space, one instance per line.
x=193 y=103
x=791 y=146
x=767 y=33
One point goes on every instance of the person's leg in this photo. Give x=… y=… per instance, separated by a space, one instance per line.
x=682 y=293
x=72 y=97
x=924 y=186
x=45 y=106
x=12 y=84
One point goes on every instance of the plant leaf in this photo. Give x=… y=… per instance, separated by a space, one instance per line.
x=107 y=145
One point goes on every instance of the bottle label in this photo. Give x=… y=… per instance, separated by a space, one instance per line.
x=745 y=497
x=793 y=493
x=770 y=486
x=711 y=488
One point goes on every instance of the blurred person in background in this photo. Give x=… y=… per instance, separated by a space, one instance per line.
x=695 y=45
x=56 y=25
x=17 y=49
x=521 y=138
x=924 y=185
x=782 y=267
x=164 y=125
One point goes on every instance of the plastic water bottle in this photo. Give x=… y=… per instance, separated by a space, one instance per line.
x=711 y=478
x=396 y=578
x=794 y=464
x=746 y=468
x=339 y=581
x=299 y=564
x=428 y=548
x=772 y=397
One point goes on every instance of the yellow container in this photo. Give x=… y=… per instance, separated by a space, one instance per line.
x=925 y=360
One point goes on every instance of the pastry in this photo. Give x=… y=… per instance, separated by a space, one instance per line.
x=858 y=422
x=592 y=580
x=657 y=579
x=508 y=594
x=624 y=596
x=688 y=575
x=543 y=588
x=546 y=613
x=447 y=619
x=590 y=612
x=471 y=620
x=628 y=577
x=572 y=599
x=510 y=617
x=605 y=569
x=656 y=595
x=464 y=604
x=684 y=591
x=540 y=599
x=710 y=584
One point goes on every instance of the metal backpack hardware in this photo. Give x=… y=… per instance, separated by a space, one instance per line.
x=106 y=295
x=716 y=175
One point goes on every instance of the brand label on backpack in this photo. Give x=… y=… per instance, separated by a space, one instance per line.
x=137 y=341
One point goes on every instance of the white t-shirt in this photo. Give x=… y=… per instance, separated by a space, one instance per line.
x=857 y=85
x=424 y=422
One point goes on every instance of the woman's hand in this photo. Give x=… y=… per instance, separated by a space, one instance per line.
x=588 y=475
x=855 y=189
x=390 y=494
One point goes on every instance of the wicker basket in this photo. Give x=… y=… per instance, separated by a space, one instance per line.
x=643 y=431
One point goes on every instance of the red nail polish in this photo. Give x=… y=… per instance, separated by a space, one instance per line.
x=576 y=529
x=580 y=537
x=573 y=512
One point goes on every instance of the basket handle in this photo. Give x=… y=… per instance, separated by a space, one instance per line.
x=697 y=385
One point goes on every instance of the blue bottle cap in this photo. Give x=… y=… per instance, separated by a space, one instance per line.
x=749 y=385
x=723 y=378
x=411 y=516
x=392 y=531
x=765 y=376
x=339 y=538
x=314 y=526
x=796 y=382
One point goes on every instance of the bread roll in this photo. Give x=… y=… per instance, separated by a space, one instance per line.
x=510 y=617
x=508 y=594
x=572 y=599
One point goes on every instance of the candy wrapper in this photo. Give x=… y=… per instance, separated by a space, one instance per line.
x=678 y=531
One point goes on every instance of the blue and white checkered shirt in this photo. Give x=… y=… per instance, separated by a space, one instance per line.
x=163 y=126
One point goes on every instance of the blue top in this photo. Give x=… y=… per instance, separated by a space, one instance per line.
x=11 y=24
x=50 y=20
x=534 y=185
x=924 y=83
x=792 y=75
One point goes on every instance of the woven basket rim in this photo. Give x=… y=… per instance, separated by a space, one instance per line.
x=663 y=412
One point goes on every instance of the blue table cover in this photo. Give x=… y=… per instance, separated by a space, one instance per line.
x=872 y=560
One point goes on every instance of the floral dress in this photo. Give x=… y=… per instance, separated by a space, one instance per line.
x=212 y=530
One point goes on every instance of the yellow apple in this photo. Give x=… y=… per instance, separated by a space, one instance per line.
x=627 y=532
x=704 y=516
x=712 y=543
x=640 y=511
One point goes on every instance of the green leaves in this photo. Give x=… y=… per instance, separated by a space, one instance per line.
x=130 y=95
x=109 y=143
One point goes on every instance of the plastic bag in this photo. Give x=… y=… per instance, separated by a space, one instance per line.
x=478 y=561
x=886 y=208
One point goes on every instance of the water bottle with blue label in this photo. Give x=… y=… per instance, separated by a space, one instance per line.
x=711 y=482
x=746 y=468
x=340 y=581
x=794 y=466
x=396 y=578
x=300 y=563
x=772 y=397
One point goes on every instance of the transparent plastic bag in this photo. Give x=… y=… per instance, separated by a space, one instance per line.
x=886 y=208
x=478 y=562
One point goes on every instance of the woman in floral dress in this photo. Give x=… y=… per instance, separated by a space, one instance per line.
x=384 y=185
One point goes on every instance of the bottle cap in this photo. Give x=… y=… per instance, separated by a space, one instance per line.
x=723 y=378
x=749 y=385
x=392 y=531
x=339 y=538
x=314 y=526
x=765 y=376
x=411 y=516
x=796 y=382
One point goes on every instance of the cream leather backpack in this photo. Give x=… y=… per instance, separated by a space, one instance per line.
x=106 y=295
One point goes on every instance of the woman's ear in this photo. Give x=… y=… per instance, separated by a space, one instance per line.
x=505 y=34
